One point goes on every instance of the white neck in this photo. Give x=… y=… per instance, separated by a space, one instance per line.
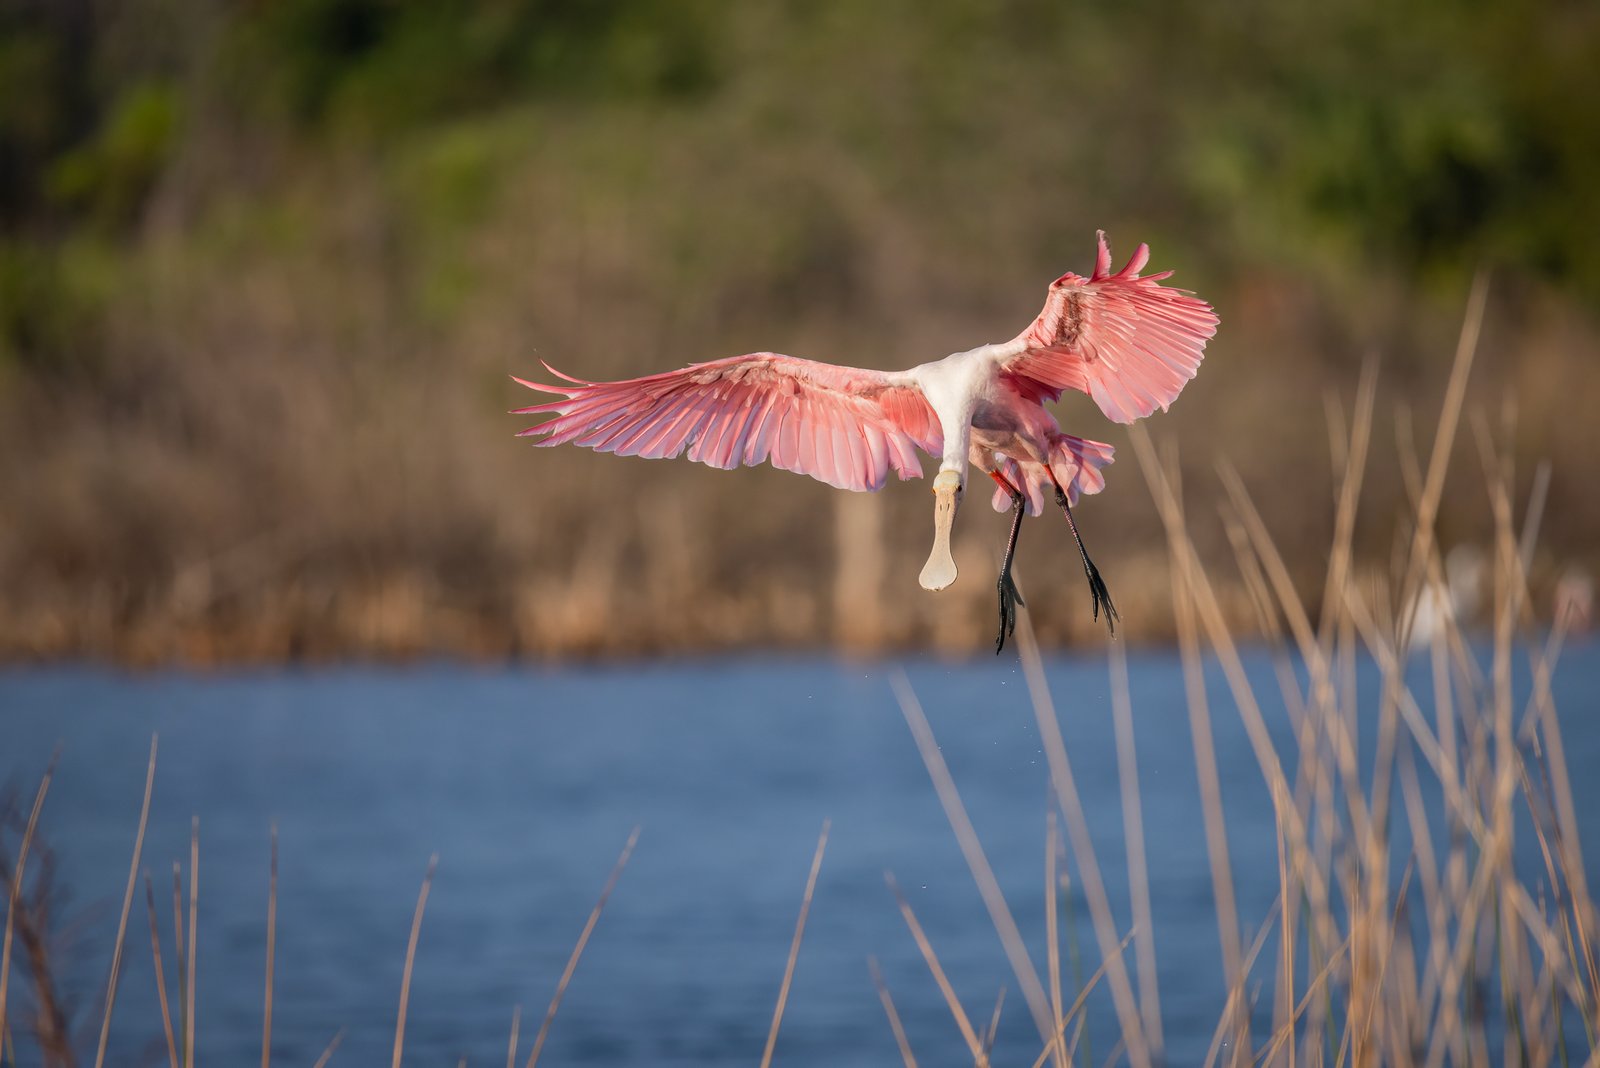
x=953 y=387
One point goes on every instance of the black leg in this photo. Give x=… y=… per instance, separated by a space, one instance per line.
x=1097 y=585
x=1009 y=597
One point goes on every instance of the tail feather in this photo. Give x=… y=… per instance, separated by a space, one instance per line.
x=1075 y=462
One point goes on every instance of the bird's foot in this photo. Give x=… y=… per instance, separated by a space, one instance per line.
x=1097 y=585
x=1101 y=595
x=1010 y=598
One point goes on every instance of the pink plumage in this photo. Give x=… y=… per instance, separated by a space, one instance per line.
x=1129 y=342
x=1124 y=339
x=841 y=425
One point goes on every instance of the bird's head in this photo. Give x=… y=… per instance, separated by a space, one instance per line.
x=940 y=570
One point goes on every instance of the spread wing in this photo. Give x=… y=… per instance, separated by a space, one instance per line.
x=1127 y=341
x=841 y=425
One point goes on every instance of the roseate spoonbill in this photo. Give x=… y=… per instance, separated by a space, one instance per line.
x=1128 y=342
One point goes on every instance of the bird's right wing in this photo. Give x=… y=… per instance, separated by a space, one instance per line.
x=841 y=425
x=1129 y=342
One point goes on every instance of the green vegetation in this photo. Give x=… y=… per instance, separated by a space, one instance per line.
x=264 y=267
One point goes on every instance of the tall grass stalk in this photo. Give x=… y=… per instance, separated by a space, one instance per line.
x=900 y=1040
x=1052 y=934
x=328 y=1050
x=988 y=886
x=190 y=972
x=161 y=975
x=1066 y=790
x=411 y=959
x=577 y=950
x=1133 y=830
x=272 y=946
x=127 y=906
x=16 y=892
x=511 y=1044
x=953 y=1003
x=1055 y=1048
x=794 y=946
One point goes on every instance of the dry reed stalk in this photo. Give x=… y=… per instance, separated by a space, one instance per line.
x=1436 y=907
x=127 y=904
x=1071 y=808
x=1333 y=633
x=1054 y=1046
x=1542 y=702
x=794 y=946
x=1224 y=1022
x=1195 y=589
x=974 y=1046
x=994 y=1023
x=1350 y=466
x=1285 y=1034
x=272 y=943
x=1389 y=660
x=1310 y=647
x=577 y=950
x=511 y=1046
x=1133 y=832
x=161 y=975
x=1052 y=934
x=1213 y=813
x=194 y=911
x=1318 y=653
x=16 y=889
x=327 y=1051
x=967 y=837
x=177 y=937
x=1388 y=932
x=1286 y=939
x=1575 y=878
x=1552 y=945
x=1215 y=625
x=411 y=958
x=1427 y=508
x=900 y=1040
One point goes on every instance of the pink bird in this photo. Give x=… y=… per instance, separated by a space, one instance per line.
x=1128 y=342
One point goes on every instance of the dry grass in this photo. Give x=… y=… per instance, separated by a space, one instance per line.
x=794 y=946
x=411 y=959
x=14 y=885
x=127 y=906
x=577 y=950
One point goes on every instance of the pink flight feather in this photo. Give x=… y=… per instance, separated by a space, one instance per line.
x=845 y=426
x=1127 y=341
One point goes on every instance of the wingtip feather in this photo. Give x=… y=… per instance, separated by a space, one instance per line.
x=1136 y=262
x=1102 y=257
x=567 y=377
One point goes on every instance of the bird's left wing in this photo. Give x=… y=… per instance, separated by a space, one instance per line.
x=841 y=425
x=1131 y=343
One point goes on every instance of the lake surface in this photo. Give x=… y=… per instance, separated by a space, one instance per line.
x=527 y=782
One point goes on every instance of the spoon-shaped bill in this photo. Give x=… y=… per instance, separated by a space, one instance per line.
x=940 y=570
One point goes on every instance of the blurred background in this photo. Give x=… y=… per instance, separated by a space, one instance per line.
x=265 y=269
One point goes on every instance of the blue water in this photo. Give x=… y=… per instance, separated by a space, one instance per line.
x=527 y=782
